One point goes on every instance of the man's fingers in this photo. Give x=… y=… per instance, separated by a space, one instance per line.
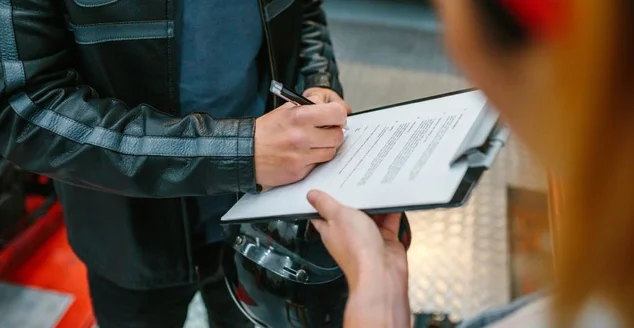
x=317 y=99
x=347 y=107
x=326 y=137
x=336 y=98
x=328 y=207
x=321 y=155
x=330 y=114
x=305 y=171
x=287 y=105
x=316 y=95
x=326 y=96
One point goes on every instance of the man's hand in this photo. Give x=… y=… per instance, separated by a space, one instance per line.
x=324 y=95
x=290 y=141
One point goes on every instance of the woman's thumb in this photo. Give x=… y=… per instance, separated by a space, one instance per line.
x=327 y=206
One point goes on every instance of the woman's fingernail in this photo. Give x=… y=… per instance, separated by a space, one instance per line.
x=312 y=196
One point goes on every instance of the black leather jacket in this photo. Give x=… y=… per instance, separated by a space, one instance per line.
x=89 y=97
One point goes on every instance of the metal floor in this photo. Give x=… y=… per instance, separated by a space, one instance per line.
x=459 y=259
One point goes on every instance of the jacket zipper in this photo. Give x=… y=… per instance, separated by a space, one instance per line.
x=268 y=47
x=192 y=268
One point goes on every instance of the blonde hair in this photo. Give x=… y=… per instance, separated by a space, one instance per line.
x=593 y=96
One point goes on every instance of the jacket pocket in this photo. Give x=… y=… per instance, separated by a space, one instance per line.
x=271 y=9
x=125 y=31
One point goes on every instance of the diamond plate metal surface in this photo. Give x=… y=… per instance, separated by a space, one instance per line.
x=459 y=259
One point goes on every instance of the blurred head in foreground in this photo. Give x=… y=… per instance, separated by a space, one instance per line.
x=561 y=72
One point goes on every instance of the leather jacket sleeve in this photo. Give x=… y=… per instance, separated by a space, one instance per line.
x=318 y=64
x=54 y=125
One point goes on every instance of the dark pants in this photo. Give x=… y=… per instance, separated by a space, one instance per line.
x=167 y=307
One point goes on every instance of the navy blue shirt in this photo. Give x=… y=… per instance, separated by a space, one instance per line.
x=219 y=44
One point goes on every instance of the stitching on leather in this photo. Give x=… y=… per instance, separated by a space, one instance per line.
x=93 y=3
x=12 y=67
x=159 y=146
x=118 y=39
x=108 y=32
x=118 y=23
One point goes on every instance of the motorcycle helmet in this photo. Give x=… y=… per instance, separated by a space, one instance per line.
x=281 y=275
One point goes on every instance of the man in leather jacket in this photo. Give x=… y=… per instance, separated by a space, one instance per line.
x=153 y=117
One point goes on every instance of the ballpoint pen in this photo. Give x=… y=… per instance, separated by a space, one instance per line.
x=291 y=96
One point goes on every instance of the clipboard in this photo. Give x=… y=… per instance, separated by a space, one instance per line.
x=480 y=159
x=480 y=150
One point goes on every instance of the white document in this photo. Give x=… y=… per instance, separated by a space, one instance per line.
x=396 y=157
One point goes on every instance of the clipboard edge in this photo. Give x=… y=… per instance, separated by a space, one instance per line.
x=460 y=198
x=413 y=101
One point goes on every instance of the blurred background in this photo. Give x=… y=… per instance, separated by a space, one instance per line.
x=462 y=260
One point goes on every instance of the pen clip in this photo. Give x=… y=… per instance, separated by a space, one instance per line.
x=288 y=95
x=276 y=89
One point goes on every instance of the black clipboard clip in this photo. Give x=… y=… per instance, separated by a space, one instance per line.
x=484 y=156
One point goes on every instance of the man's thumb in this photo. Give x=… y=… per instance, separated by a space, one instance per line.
x=327 y=206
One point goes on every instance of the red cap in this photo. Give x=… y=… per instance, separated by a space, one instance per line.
x=542 y=17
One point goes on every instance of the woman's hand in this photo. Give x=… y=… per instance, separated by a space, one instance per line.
x=372 y=258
